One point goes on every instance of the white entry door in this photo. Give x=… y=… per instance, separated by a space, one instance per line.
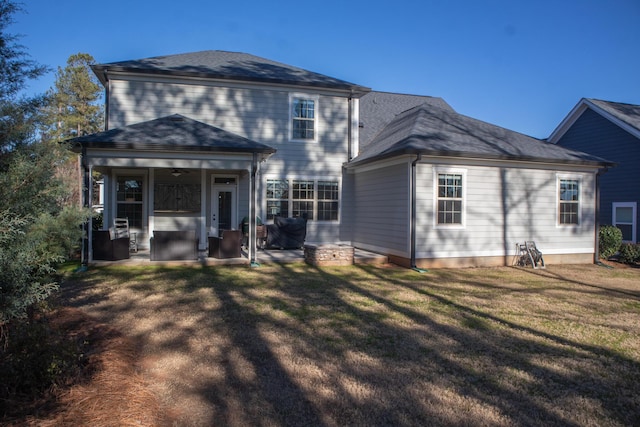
x=224 y=214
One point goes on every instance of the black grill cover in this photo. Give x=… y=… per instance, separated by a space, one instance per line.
x=286 y=233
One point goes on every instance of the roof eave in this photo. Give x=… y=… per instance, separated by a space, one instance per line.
x=78 y=145
x=353 y=90
x=474 y=156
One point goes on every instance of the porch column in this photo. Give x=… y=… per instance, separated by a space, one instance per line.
x=90 y=228
x=204 y=241
x=252 y=211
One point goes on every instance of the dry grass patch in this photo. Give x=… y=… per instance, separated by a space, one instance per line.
x=366 y=345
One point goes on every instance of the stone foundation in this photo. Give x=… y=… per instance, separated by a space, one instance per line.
x=328 y=255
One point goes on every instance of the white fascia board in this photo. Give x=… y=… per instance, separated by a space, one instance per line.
x=168 y=160
x=575 y=114
x=568 y=121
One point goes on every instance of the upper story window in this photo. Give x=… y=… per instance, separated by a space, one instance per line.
x=568 y=201
x=449 y=197
x=303 y=117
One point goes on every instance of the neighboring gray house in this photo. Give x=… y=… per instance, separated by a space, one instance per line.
x=199 y=141
x=610 y=130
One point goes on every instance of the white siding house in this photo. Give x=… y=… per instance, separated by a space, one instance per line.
x=201 y=141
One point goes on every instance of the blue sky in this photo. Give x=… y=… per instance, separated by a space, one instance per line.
x=522 y=65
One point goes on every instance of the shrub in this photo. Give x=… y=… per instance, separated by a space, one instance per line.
x=37 y=357
x=629 y=253
x=610 y=240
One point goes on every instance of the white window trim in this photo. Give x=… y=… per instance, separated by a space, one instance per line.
x=145 y=198
x=315 y=99
x=447 y=170
x=634 y=207
x=315 y=180
x=561 y=177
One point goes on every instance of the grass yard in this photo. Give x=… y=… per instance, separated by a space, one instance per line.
x=293 y=344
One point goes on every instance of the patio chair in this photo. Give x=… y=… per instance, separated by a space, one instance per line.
x=227 y=245
x=121 y=229
x=528 y=253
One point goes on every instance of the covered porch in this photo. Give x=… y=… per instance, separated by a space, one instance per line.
x=175 y=177
x=263 y=256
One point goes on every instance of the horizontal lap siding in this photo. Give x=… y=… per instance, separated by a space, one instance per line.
x=381 y=212
x=596 y=135
x=503 y=206
x=260 y=114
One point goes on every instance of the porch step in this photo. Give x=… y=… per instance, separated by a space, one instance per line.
x=364 y=257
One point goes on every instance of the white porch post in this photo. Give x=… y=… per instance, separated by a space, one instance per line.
x=90 y=230
x=151 y=218
x=252 y=211
x=203 y=211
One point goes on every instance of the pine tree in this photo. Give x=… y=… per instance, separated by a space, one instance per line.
x=74 y=108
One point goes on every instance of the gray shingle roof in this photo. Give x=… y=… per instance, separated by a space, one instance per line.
x=434 y=131
x=377 y=109
x=216 y=64
x=628 y=113
x=173 y=132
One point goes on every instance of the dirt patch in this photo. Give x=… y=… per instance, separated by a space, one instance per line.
x=108 y=391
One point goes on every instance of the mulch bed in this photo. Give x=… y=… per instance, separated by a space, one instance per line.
x=107 y=380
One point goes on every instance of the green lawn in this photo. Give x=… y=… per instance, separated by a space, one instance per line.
x=293 y=344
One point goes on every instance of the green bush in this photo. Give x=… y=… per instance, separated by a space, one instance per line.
x=629 y=253
x=37 y=357
x=610 y=240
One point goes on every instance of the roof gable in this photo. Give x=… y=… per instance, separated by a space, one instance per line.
x=216 y=64
x=625 y=116
x=430 y=130
x=173 y=133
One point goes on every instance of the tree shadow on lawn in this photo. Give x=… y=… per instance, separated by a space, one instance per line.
x=521 y=347
x=324 y=347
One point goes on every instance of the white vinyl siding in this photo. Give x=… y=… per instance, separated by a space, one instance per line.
x=381 y=206
x=504 y=205
x=260 y=114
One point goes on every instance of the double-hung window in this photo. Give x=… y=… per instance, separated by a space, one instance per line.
x=315 y=199
x=302 y=198
x=303 y=117
x=449 y=198
x=568 y=201
x=277 y=198
x=624 y=217
x=327 y=200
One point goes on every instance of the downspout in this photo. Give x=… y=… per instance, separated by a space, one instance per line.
x=106 y=101
x=414 y=212
x=349 y=119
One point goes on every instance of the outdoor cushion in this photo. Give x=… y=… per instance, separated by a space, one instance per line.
x=108 y=249
x=226 y=246
x=174 y=245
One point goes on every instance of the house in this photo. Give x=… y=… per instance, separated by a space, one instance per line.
x=200 y=141
x=611 y=130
